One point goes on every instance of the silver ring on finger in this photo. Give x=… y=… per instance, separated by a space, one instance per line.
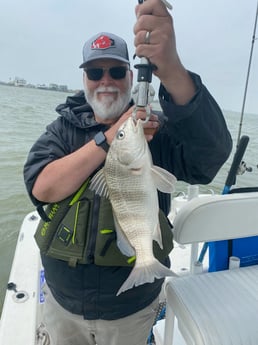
x=147 y=37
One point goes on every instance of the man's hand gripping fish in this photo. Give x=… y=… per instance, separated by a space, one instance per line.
x=130 y=180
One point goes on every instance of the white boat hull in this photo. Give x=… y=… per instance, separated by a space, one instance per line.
x=21 y=310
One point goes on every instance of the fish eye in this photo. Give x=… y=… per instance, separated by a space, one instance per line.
x=120 y=135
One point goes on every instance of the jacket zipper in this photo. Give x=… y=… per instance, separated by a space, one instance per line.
x=93 y=229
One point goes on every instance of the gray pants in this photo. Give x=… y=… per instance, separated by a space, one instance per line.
x=66 y=328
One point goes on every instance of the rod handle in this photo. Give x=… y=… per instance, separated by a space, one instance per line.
x=231 y=179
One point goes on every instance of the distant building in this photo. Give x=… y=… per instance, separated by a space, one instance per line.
x=42 y=86
x=63 y=88
x=19 y=81
x=54 y=87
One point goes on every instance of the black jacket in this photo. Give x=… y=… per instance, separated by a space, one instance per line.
x=192 y=143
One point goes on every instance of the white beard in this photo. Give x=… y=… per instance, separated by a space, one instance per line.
x=108 y=108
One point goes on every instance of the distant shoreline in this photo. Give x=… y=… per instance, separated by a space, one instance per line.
x=51 y=87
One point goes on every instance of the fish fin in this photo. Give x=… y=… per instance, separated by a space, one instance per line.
x=122 y=241
x=98 y=184
x=163 y=179
x=157 y=235
x=142 y=274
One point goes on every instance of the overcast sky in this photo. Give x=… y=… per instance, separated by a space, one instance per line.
x=41 y=41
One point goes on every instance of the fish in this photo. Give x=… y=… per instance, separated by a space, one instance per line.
x=130 y=181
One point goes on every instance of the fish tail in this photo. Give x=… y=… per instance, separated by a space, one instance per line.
x=142 y=274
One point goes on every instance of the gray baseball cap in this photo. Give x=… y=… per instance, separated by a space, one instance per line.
x=105 y=45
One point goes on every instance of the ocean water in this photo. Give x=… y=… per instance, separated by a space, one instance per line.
x=24 y=113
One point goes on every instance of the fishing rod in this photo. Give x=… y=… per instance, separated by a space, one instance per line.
x=247 y=77
x=143 y=94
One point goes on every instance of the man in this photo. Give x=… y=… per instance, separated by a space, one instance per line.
x=189 y=138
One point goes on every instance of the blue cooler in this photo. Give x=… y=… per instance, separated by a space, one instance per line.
x=246 y=249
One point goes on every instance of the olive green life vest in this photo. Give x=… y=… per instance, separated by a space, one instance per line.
x=80 y=229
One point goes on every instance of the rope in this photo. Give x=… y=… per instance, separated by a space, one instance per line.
x=160 y=315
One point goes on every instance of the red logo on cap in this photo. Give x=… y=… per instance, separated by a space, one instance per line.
x=102 y=42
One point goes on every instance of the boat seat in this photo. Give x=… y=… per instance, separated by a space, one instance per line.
x=218 y=308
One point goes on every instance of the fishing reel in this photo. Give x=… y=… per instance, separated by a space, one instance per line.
x=243 y=168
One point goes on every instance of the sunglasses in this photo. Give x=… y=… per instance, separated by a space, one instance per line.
x=96 y=73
